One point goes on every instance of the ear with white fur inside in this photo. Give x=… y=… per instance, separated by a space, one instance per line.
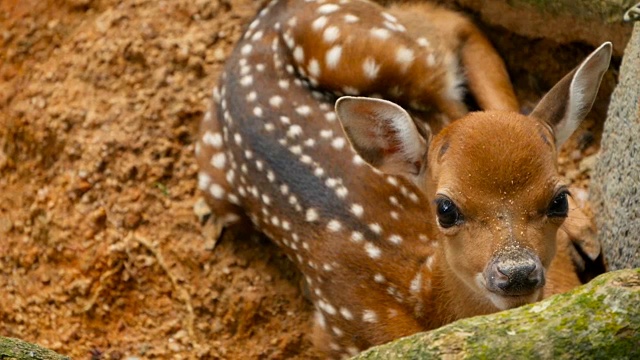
x=383 y=134
x=570 y=100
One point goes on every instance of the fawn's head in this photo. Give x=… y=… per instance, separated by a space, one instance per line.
x=491 y=179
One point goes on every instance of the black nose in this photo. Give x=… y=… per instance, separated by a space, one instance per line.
x=517 y=272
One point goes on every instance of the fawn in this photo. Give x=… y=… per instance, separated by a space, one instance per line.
x=396 y=231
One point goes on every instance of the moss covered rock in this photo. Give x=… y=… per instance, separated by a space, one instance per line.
x=600 y=320
x=11 y=349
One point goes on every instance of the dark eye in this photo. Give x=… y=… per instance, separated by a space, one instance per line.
x=559 y=206
x=447 y=212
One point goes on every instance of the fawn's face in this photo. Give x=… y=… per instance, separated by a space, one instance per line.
x=493 y=183
x=491 y=179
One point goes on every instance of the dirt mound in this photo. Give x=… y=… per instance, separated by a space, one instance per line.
x=101 y=255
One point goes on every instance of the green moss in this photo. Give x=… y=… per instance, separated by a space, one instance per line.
x=599 y=320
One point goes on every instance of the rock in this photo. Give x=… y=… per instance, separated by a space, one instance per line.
x=616 y=179
x=11 y=348
x=564 y=21
x=600 y=320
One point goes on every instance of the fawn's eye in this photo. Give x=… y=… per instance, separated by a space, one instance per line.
x=447 y=212
x=559 y=206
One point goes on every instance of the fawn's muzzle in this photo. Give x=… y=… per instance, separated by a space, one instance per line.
x=514 y=273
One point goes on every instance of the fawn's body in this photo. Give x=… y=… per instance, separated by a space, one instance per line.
x=377 y=263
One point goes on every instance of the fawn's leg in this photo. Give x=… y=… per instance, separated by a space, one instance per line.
x=485 y=72
x=358 y=48
x=216 y=175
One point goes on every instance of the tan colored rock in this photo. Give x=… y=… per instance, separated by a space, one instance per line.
x=615 y=187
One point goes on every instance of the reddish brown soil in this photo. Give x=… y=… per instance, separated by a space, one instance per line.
x=101 y=255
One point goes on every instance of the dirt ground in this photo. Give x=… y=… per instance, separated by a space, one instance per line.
x=101 y=255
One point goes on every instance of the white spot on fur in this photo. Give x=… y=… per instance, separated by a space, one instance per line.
x=404 y=57
x=337 y=331
x=319 y=23
x=416 y=283
x=216 y=191
x=334 y=226
x=326 y=134
x=303 y=110
x=370 y=68
x=314 y=68
x=257 y=36
x=319 y=318
x=296 y=149
x=350 y=18
x=356 y=237
x=379 y=278
x=380 y=33
x=219 y=160
x=342 y=192
x=294 y=131
x=246 y=50
x=423 y=42
x=283 y=84
x=246 y=80
x=213 y=139
x=369 y=316
x=330 y=116
x=311 y=215
x=332 y=58
x=203 y=181
x=298 y=54
x=328 y=8
x=372 y=250
x=338 y=143
x=331 y=34
x=275 y=101
x=375 y=227
x=346 y=313
x=357 y=210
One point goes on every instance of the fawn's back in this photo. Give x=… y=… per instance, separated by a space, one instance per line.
x=356 y=209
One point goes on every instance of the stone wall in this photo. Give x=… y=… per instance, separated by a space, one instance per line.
x=615 y=184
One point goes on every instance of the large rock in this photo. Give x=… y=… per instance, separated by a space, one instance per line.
x=564 y=21
x=15 y=349
x=600 y=320
x=616 y=182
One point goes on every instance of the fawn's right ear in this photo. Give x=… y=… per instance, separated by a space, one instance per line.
x=570 y=100
x=383 y=134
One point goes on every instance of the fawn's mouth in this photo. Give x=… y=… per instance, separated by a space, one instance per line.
x=504 y=301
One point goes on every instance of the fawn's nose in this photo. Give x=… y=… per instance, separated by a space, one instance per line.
x=514 y=273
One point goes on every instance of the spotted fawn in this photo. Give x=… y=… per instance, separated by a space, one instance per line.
x=395 y=230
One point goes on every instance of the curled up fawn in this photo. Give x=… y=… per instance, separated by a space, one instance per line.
x=397 y=225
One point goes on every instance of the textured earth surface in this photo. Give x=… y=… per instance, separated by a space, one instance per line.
x=101 y=255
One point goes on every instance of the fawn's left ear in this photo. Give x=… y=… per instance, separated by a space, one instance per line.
x=570 y=100
x=383 y=134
